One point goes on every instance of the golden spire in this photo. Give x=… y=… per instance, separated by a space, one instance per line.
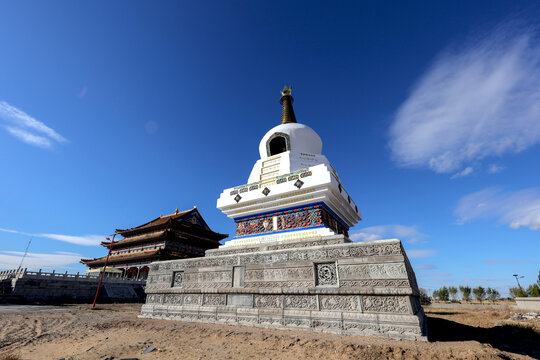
x=286 y=101
x=176 y=211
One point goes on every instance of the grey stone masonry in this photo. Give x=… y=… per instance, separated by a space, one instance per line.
x=22 y=286
x=326 y=284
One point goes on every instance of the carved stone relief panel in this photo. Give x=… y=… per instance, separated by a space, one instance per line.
x=387 y=271
x=374 y=283
x=177 y=279
x=339 y=302
x=372 y=271
x=268 y=301
x=214 y=299
x=192 y=299
x=300 y=302
x=326 y=274
x=385 y=304
x=154 y=299
x=173 y=299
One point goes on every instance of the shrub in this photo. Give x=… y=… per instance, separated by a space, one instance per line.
x=533 y=290
x=493 y=294
x=517 y=292
x=465 y=292
x=424 y=298
x=443 y=294
x=479 y=293
x=452 y=290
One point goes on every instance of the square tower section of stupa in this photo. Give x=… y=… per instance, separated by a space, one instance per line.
x=293 y=192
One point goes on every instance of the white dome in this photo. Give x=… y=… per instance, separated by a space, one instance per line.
x=302 y=138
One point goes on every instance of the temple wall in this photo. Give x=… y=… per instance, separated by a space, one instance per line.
x=327 y=284
x=27 y=286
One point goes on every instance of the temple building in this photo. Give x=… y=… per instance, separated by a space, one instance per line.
x=293 y=192
x=180 y=235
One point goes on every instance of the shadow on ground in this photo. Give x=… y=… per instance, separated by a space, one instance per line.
x=511 y=338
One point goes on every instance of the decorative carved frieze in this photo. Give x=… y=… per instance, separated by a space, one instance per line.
x=279 y=284
x=374 y=283
x=268 y=301
x=308 y=302
x=214 y=299
x=282 y=274
x=372 y=271
x=192 y=299
x=154 y=299
x=339 y=302
x=385 y=304
x=173 y=299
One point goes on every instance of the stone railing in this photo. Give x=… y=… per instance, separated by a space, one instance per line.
x=20 y=273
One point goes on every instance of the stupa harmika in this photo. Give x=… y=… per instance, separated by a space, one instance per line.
x=291 y=263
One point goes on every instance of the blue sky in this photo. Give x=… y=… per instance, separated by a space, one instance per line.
x=112 y=113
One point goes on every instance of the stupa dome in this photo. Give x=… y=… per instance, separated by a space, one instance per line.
x=290 y=136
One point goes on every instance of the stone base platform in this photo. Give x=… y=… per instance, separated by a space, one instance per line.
x=327 y=284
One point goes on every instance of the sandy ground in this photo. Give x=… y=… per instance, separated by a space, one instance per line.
x=115 y=331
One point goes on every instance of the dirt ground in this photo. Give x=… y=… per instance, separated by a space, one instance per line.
x=115 y=331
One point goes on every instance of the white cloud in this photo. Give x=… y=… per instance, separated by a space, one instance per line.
x=467 y=171
x=409 y=233
x=514 y=208
x=425 y=267
x=478 y=101
x=86 y=240
x=33 y=261
x=26 y=128
x=494 y=168
x=440 y=275
x=506 y=261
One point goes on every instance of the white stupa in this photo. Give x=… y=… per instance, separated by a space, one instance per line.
x=292 y=192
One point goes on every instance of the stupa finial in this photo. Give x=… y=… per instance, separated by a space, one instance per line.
x=286 y=101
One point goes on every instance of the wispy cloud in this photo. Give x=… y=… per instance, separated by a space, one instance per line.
x=26 y=128
x=494 y=168
x=514 y=208
x=439 y=275
x=83 y=92
x=409 y=233
x=474 y=102
x=12 y=259
x=86 y=240
x=467 y=171
x=506 y=262
x=425 y=267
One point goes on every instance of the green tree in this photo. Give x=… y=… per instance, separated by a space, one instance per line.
x=424 y=298
x=479 y=293
x=435 y=294
x=493 y=294
x=443 y=294
x=517 y=292
x=533 y=290
x=465 y=292
x=452 y=290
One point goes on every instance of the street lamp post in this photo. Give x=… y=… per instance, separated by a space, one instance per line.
x=517 y=279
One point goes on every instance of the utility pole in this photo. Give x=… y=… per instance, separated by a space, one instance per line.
x=104 y=268
x=25 y=252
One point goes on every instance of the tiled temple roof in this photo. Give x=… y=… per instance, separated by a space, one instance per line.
x=161 y=223
x=122 y=257
x=162 y=219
